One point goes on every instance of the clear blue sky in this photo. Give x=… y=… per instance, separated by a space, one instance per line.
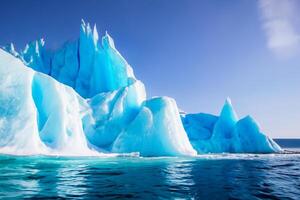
x=198 y=52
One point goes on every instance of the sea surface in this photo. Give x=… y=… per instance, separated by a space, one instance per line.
x=223 y=176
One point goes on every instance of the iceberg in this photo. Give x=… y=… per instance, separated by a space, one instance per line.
x=226 y=133
x=84 y=99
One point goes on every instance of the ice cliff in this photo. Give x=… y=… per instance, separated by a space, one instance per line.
x=84 y=99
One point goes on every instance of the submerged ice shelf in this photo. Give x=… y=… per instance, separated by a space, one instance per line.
x=84 y=99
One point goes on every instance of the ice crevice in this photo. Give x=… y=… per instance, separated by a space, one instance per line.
x=84 y=99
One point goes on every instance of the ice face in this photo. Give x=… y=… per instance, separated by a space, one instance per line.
x=251 y=139
x=156 y=131
x=84 y=99
x=111 y=113
x=38 y=114
x=86 y=65
x=43 y=116
x=212 y=134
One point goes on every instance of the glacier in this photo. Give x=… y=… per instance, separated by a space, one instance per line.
x=84 y=99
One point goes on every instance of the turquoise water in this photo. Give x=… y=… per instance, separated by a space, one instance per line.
x=205 y=177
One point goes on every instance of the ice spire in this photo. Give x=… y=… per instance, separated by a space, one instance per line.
x=226 y=122
x=107 y=41
x=228 y=111
x=82 y=27
x=11 y=49
x=85 y=65
x=88 y=29
x=87 y=36
x=85 y=29
x=95 y=35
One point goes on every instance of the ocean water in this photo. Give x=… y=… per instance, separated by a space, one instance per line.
x=289 y=144
x=223 y=176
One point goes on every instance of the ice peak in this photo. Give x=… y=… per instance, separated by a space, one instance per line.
x=82 y=26
x=228 y=101
x=37 y=49
x=88 y=28
x=107 y=41
x=11 y=49
x=85 y=28
x=249 y=119
x=33 y=47
x=249 y=122
x=228 y=111
x=95 y=35
x=82 y=22
x=42 y=42
x=86 y=33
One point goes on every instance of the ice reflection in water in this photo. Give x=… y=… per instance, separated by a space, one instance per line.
x=179 y=176
x=71 y=180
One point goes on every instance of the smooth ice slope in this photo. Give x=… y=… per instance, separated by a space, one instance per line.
x=84 y=99
x=156 y=131
x=212 y=134
x=111 y=113
x=38 y=115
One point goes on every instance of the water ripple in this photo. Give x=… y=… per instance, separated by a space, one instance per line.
x=206 y=177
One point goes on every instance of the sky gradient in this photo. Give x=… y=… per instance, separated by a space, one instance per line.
x=198 y=52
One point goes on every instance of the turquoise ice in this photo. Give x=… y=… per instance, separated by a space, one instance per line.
x=83 y=99
x=226 y=133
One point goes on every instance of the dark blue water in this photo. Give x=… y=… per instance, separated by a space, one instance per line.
x=293 y=144
x=206 y=177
